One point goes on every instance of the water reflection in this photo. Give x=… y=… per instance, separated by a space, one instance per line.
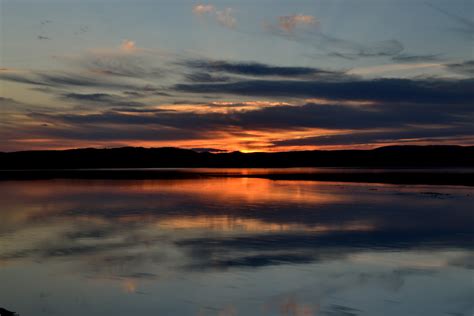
x=235 y=246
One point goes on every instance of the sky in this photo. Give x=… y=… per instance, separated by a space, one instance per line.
x=260 y=75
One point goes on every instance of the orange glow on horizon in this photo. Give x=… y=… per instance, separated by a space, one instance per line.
x=244 y=144
x=224 y=137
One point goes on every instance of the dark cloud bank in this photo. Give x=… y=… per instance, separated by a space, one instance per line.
x=410 y=108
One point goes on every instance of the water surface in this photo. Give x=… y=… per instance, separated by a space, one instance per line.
x=235 y=246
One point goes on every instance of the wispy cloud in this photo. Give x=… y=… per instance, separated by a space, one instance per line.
x=466 y=25
x=412 y=58
x=382 y=90
x=206 y=77
x=464 y=68
x=255 y=69
x=203 y=8
x=380 y=136
x=223 y=17
x=100 y=99
x=122 y=65
x=287 y=27
x=252 y=124
x=59 y=80
x=391 y=68
x=289 y=22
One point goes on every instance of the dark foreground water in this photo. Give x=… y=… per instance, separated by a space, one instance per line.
x=235 y=246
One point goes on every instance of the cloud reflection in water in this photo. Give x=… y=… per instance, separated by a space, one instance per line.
x=236 y=246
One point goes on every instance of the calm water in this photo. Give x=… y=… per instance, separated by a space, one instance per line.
x=235 y=246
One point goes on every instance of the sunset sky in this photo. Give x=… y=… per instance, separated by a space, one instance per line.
x=252 y=75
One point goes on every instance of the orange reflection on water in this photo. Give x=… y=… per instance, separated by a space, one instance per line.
x=24 y=201
x=293 y=308
x=242 y=189
x=129 y=286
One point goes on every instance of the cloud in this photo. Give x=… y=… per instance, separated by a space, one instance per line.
x=382 y=90
x=87 y=97
x=381 y=48
x=108 y=83
x=223 y=17
x=406 y=58
x=390 y=68
x=208 y=150
x=203 y=8
x=206 y=77
x=373 y=123
x=82 y=29
x=380 y=136
x=126 y=60
x=117 y=133
x=124 y=65
x=102 y=99
x=128 y=46
x=289 y=22
x=349 y=117
x=255 y=69
x=466 y=26
x=287 y=27
x=309 y=98
x=464 y=68
x=349 y=49
x=9 y=102
x=100 y=70
x=58 y=80
x=45 y=79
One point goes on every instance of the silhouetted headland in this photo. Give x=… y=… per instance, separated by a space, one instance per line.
x=5 y=312
x=439 y=164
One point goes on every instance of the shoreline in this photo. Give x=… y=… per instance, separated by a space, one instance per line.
x=425 y=177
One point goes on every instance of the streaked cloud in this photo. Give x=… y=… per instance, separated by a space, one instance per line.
x=390 y=68
x=100 y=99
x=412 y=58
x=288 y=27
x=255 y=69
x=312 y=79
x=466 y=26
x=254 y=106
x=289 y=22
x=206 y=77
x=262 y=124
x=384 y=136
x=423 y=91
x=63 y=79
x=464 y=68
x=121 y=64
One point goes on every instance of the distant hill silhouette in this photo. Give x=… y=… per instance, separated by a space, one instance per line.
x=168 y=157
x=5 y=312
